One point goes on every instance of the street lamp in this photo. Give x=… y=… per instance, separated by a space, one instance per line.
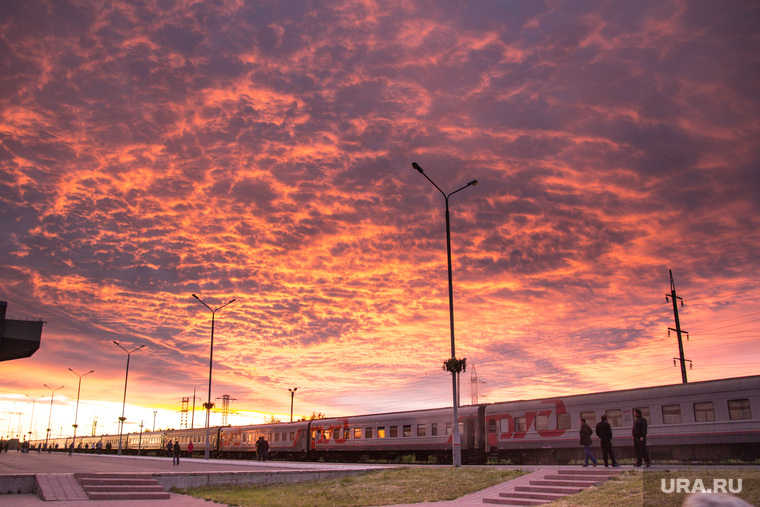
x=50 y=416
x=76 y=414
x=124 y=402
x=455 y=439
x=31 y=422
x=292 y=394
x=208 y=405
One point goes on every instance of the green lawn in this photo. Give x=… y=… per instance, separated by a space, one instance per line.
x=386 y=487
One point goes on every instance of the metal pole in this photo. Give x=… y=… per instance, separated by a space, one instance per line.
x=124 y=401
x=292 y=394
x=209 y=405
x=679 y=331
x=76 y=414
x=31 y=422
x=456 y=442
x=50 y=416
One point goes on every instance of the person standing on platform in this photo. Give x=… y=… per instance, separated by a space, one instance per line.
x=169 y=449
x=586 y=442
x=190 y=449
x=177 y=450
x=604 y=432
x=640 y=439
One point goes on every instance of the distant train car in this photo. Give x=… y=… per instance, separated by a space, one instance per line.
x=704 y=421
x=286 y=440
x=425 y=434
x=198 y=437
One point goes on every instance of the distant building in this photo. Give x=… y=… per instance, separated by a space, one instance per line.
x=18 y=338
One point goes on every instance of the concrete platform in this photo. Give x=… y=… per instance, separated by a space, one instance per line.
x=31 y=478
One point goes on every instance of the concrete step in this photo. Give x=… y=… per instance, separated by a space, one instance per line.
x=122 y=487
x=550 y=489
x=91 y=481
x=534 y=495
x=514 y=501
x=601 y=472
x=547 y=481
x=135 y=495
x=578 y=478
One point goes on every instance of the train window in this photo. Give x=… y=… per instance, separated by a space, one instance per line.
x=346 y=433
x=381 y=432
x=434 y=429
x=542 y=422
x=448 y=428
x=521 y=425
x=614 y=417
x=292 y=435
x=368 y=432
x=590 y=417
x=492 y=426
x=394 y=431
x=328 y=434
x=671 y=414
x=407 y=430
x=739 y=409
x=421 y=430
x=564 y=422
x=357 y=432
x=276 y=437
x=704 y=411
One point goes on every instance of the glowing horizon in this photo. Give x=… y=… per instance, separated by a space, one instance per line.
x=263 y=152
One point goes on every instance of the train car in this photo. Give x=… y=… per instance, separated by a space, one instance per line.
x=703 y=421
x=144 y=443
x=198 y=437
x=286 y=440
x=426 y=434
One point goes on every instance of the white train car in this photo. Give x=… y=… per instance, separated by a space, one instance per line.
x=701 y=421
x=423 y=433
x=286 y=440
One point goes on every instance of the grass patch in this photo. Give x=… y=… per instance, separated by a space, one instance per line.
x=386 y=487
x=627 y=490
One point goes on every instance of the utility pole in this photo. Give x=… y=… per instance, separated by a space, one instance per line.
x=183 y=419
x=474 y=386
x=225 y=407
x=678 y=329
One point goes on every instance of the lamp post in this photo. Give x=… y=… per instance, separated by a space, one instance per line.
x=292 y=394
x=208 y=405
x=455 y=439
x=50 y=416
x=31 y=422
x=124 y=401
x=76 y=413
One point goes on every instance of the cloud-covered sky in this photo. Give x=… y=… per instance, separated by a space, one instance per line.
x=262 y=151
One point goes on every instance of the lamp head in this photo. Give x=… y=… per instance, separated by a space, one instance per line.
x=472 y=183
x=417 y=166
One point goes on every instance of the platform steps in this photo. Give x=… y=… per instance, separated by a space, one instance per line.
x=122 y=487
x=554 y=486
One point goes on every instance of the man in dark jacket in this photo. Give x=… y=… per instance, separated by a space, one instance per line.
x=640 y=439
x=604 y=432
x=586 y=442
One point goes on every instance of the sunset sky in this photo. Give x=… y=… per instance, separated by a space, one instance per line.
x=262 y=151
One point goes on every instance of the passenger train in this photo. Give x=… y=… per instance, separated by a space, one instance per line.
x=700 y=421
